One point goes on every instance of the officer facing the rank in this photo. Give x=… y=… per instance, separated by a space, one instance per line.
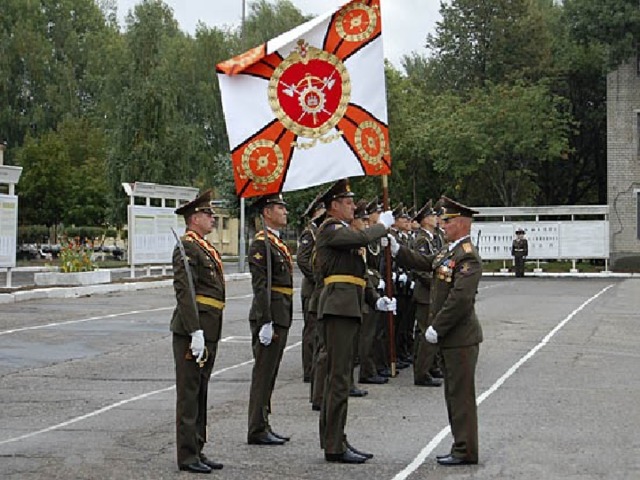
x=453 y=323
x=198 y=281
x=271 y=269
x=519 y=251
x=342 y=270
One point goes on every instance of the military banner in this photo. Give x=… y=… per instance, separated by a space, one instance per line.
x=309 y=106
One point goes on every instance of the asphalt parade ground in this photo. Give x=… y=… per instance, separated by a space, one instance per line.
x=87 y=391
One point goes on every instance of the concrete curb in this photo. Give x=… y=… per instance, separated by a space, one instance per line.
x=75 y=292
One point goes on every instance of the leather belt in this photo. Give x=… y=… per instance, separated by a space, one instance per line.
x=361 y=282
x=210 y=301
x=284 y=290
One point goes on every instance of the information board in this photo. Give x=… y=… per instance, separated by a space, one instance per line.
x=8 y=230
x=559 y=240
x=152 y=241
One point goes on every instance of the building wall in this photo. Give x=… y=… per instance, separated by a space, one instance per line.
x=623 y=164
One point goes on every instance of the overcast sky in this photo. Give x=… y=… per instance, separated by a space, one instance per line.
x=405 y=23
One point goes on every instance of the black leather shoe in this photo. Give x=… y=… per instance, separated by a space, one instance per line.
x=195 y=467
x=400 y=365
x=444 y=455
x=450 y=461
x=358 y=452
x=385 y=372
x=281 y=437
x=356 y=392
x=431 y=382
x=266 y=438
x=347 y=457
x=315 y=408
x=436 y=373
x=213 y=465
x=376 y=379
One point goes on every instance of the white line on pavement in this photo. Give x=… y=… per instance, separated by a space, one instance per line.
x=435 y=441
x=101 y=317
x=124 y=402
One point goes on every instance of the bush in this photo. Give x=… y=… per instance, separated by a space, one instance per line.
x=32 y=233
x=83 y=232
x=75 y=258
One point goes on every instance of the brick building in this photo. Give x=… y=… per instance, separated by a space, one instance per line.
x=623 y=165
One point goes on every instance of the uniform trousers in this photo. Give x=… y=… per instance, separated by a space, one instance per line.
x=519 y=265
x=365 y=345
x=319 y=370
x=192 y=383
x=459 y=364
x=263 y=377
x=424 y=356
x=339 y=333
x=308 y=338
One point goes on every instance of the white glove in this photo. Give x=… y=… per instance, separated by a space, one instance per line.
x=431 y=335
x=197 y=344
x=386 y=218
x=393 y=276
x=386 y=304
x=381 y=284
x=266 y=334
x=395 y=246
x=402 y=278
x=384 y=242
x=412 y=285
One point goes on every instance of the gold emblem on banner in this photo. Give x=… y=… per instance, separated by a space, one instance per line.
x=356 y=22
x=262 y=163
x=309 y=93
x=371 y=143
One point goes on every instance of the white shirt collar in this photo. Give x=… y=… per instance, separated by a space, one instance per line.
x=274 y=231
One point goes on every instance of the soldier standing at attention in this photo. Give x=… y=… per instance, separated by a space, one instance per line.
x=454 y=325
x=342 y=270
x=520 y=251
x=271 y=269
x=307 y=241
x=198 y=281
x=424 y=352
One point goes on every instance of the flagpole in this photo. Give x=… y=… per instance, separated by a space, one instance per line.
x=388 y=282
x=243 y=243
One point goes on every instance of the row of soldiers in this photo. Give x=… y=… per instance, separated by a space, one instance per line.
x=417 y=230
x=346 y=301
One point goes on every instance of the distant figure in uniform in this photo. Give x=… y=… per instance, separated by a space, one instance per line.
x=271 y=267
x=453 y=323
x=519 y=251
x=424 y=353
x=198 y=281
x=342 y=270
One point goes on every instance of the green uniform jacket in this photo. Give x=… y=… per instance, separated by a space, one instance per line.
x=338 y=253
x=303 y=259
x=424 y=245
x=281 y=311
x=208 y=280
x=455 y=278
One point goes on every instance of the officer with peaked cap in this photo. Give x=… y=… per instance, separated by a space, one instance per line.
x=271 y=267
x=453 y=323
x=424 y=353
x=196 y=325
x=342 y=270
x=313 y=215
x=519 y=251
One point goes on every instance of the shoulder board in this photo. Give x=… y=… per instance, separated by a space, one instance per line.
x=467 y=247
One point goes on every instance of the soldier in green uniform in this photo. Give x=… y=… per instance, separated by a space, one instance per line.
x=342 y=270
x=198 y=281
x=306 y=243
x=271 y=267
x=519 y=251
x=424 y=353
x=453 y=324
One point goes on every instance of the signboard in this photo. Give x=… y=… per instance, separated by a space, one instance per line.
x=547 y=240
x=151 y=240
x=8 y=230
